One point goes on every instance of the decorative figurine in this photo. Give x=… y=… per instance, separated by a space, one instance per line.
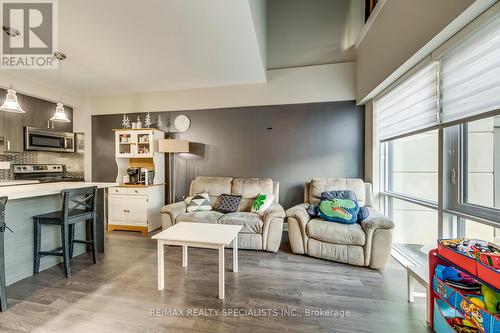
x=139 y=122
x=125 y=122
x=147 y=121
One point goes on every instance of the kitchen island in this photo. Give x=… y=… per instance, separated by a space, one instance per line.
x=25 y=201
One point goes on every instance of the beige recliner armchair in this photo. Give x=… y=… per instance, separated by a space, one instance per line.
x=259 y=232
x=367 y=243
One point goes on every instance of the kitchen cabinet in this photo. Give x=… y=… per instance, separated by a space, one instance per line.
x=140 y=143
x=42 y=112
x=38 y=113
x=135 y=208
x=12 y=132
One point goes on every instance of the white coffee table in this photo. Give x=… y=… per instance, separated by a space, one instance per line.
x=204 y=235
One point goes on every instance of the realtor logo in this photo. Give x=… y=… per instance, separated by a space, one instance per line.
x=29 y=36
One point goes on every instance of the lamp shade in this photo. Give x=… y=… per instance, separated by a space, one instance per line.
x=60 y=115
x=11 y=104
x=173 y=146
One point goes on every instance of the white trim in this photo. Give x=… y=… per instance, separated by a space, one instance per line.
x=369 y=22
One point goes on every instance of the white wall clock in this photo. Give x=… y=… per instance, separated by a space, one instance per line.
x=182 y=123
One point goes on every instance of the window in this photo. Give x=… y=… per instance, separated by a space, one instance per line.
x=439 y=129
x=481 y=173
x=413 y=166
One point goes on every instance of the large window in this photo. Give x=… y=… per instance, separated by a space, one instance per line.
x=439 y=128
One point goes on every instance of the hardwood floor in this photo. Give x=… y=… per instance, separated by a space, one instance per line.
x=119 y=294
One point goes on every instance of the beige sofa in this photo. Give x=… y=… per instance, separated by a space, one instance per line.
x=365 y=244
x=259 y=232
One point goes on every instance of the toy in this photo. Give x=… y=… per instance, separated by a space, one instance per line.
x=490 y=259
x=446 y=273
x=459 y=322
x=491 y=299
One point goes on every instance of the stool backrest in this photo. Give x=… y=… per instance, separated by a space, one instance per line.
x=74 y=196
x=3 y=202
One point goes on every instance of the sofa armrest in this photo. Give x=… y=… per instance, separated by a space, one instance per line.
x=376 y=220
x=274 y=211
x=174 y=210
x=300 y=213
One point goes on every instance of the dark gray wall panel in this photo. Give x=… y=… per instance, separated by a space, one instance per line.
x=288 y=143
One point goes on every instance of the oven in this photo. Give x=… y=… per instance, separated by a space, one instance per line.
x=48 y=140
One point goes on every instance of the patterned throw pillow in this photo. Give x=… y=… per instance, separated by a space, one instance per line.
x=229 y=203
x=262 y=202
x=200 y=202
x=339 y=210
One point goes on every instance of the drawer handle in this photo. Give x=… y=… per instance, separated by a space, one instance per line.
x=136 y=191
x=116 y=190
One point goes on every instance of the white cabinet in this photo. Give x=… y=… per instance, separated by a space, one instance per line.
x=117 y=207
x=137 y=143
x=136 y=209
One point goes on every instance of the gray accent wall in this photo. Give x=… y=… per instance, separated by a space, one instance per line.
x=288 y=143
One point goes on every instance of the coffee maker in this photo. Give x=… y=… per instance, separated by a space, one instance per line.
x=140 y=176
x=134 y=176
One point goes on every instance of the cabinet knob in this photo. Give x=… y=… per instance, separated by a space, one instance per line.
x=136 y=191
x=116 y=190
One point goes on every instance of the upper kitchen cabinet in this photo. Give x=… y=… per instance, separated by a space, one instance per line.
x=38 y=114
x=43 y=111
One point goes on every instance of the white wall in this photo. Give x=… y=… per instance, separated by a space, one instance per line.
x=321 y=83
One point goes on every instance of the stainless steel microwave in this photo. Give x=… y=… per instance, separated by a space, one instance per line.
x=48 y=140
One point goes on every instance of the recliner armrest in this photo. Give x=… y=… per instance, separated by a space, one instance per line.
x=174 y=210
x=376 y=220
x=300 y=213
x=274 y=211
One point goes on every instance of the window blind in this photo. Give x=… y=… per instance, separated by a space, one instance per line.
x=411 y=106
x=470 y=75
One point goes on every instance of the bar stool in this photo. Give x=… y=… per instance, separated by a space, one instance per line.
x=3 y=292
x=74 y=210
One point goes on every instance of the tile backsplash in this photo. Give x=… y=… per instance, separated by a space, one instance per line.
x=74 y=162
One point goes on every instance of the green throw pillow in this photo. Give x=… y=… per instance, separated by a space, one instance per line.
x=261 y=203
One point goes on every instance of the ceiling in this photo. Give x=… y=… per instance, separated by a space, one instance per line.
x=122 y=46
x=129 y=46
x=312 y=32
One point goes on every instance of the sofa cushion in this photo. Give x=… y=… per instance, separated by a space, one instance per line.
x=252 y=222
x=249 y=189
x=320 y=185
x=202 y=217
x=336 y=233
x=215 y=186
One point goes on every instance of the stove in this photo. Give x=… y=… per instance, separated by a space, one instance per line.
x=44 y=173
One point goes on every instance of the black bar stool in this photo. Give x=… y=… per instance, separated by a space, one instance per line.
x=3 y=292
x=74 y=210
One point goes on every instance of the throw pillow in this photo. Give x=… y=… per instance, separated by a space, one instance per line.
x=342 y=194
x=200 y=202
x=229 y=203
x=261 y=203
x=339 y=210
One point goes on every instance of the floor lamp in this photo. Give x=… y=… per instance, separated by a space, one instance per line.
x=172 y=146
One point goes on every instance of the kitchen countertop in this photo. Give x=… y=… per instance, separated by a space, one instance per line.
x=17 y=182
x=38 y=190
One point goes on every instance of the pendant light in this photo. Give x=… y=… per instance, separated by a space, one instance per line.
x=11 y=104
x=60 y=115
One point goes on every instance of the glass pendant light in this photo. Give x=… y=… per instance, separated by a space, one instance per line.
x=11 y=104
x=60 y=115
